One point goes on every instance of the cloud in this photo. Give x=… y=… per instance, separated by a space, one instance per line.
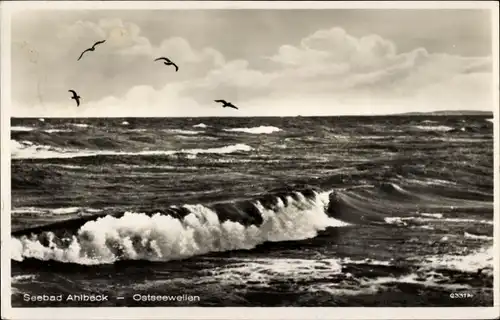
x=340 y=72
x=45 y=65
x=330 y=72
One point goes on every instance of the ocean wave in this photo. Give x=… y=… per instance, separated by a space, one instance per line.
x=491 y=120
x=426 y=227
x=21 y=128
x=255 y=130
x=200 y=125
x=434 y=128
x=477 y=236
x=44 y=212
x=80 y=125
x=432 y=215
x=181 y=131
x=24 y=151
x=23 y=278
x=125 y=123
x=56 y=130
x=402 y=220
x=158 y=237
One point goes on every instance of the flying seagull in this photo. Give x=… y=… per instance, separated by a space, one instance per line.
x=226 y=104
x=168 y=62
x=76 y=97
x=91 y=49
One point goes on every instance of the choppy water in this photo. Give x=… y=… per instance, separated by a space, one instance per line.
x=347 y=211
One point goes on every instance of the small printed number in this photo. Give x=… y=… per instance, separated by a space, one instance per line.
x=461 y=295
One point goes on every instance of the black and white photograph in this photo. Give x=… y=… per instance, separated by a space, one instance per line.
x=249 y=154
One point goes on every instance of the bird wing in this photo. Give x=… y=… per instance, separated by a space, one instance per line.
x=83 y=53
x=176 y=67
x=161 y=58
x=98 y=42
x=72 y=91
x=232 y=106
x=221 y=101
x=77 y=102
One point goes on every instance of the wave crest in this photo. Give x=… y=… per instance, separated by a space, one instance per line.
x=138 y=236
x=200 y=125
x=255 y=130
x=32 y=151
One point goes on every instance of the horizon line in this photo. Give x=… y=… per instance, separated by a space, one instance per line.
x=472 y=113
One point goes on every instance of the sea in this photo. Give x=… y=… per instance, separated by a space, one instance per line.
x=389 y=211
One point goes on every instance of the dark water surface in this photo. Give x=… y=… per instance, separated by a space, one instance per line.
x=340 y=211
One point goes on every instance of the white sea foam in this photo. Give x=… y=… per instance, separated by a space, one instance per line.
x=433 y=215
x=434 y=128
x=366 y=261
x=56 y=130
x=22 y=151
x=426 y=227
x=162 y=237
x=491 y=120
x=66 y=210
x=255 y=130
x=402 y=220
x=69 y=166
x=80 y=125
x=41 y=119
x=125 y=123
x=372 y=286
x=264 y=272
x=200 y=125
x=21 y=128
x=52 y=211
x=181 y=131
x=483 y=258
x=476 y=236
x=23 y=278
x=31 y=210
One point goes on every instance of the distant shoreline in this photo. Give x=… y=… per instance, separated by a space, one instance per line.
x=448 y=113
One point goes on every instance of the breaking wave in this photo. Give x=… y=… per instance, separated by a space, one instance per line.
x=255 y=130
x=31 y=151
x=161 y=237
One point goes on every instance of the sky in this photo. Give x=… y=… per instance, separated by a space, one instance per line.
x=266 y=62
